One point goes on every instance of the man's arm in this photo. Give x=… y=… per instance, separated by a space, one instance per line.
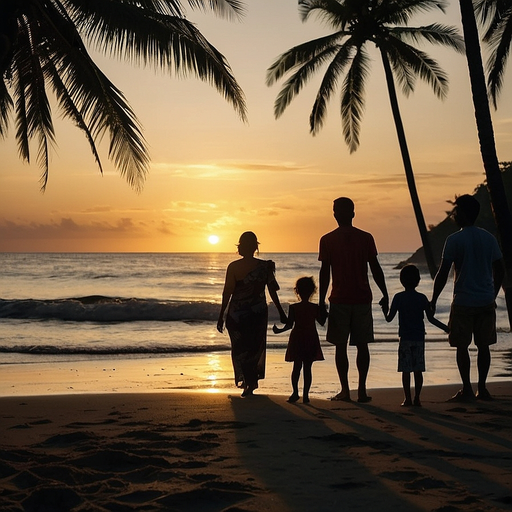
x=378 y=277
x=433 y=320
x=324 y=279
x=498 y=272
x=440 y=282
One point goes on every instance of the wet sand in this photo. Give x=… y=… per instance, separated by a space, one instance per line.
x=200 y=451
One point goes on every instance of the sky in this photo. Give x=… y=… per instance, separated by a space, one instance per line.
x=212 y=174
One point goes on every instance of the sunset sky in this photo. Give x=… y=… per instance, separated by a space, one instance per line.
x=211 y=174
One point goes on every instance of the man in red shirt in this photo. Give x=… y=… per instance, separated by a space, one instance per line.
x=346 y=253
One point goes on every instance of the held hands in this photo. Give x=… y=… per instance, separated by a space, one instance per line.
x=279 y=330
x=322 y=314
x=384 y=304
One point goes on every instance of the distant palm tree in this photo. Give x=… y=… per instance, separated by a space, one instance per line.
x=500 y=208
x=357 y=24
x=42 y=46
x=496 y=17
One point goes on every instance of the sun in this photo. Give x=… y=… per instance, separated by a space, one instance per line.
x=213 y=239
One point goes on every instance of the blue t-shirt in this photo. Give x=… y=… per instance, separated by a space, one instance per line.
x=410 y=306
x=472 y=251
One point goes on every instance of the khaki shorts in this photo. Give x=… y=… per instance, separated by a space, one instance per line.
x=469 y=322
x=350 y=320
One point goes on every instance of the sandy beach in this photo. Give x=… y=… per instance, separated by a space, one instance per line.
x=200 y=451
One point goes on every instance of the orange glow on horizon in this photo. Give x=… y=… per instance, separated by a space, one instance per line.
x=213 y=176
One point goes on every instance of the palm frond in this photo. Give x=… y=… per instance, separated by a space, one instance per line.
x=400 y=12
x=402 y=71
x=402 y=55
x=433 y=34
x=335 y=13
x=490 y=13
x=499 y=43
x=70 y=110
x=32 y=106
x=6 y=105
x=230 y=9
x=352 y=99
x=20 y=107
x=495 y=17
x=300 y=55
x=297 y=81
x=329 y=85
x=48 y=50
x=166 y=42
x=104 y=108
x=58 y=55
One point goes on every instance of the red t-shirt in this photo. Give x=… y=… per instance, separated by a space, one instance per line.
x=348 y=250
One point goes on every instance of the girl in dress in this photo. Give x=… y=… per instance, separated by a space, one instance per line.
x=304 y=343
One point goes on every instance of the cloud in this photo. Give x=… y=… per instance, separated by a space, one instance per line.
x=227 y=169
x=98 y=209
x=190 y=207
x=68 y=228
x=399 y=179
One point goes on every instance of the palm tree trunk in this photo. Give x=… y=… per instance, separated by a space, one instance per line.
x=409 y=174
x=485 y=129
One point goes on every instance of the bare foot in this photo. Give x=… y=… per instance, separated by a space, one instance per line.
x=462 y=396
x=341 y=397
x=294 y=397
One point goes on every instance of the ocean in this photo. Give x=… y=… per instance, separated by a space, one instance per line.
x=96 y=306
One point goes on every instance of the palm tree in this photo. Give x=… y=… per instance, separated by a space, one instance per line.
x=485 y=130
x=43 y=46
x=357 y=24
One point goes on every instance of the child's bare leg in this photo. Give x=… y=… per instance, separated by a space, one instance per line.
x=297 y=365
x=308 y=378
x=418 y=384
x=406 y=383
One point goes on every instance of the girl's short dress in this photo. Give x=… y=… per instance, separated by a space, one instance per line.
x=304 y=343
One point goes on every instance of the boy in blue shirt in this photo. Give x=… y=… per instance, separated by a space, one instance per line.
x=411 y=307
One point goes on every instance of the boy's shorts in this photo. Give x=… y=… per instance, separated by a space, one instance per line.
x=350 y=320
x=411 y=356
x=468 y=322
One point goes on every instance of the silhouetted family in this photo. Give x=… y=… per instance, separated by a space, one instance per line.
x=346 y=254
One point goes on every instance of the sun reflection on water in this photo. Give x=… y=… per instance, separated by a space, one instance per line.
x=215 y=370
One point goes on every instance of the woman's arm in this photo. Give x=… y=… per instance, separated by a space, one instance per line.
x=229 y=286
x=277 y=302
x=273 y=286
x=289 y=323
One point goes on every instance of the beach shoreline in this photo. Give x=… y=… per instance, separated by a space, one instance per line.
x=212 y=372
x=218 y=452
